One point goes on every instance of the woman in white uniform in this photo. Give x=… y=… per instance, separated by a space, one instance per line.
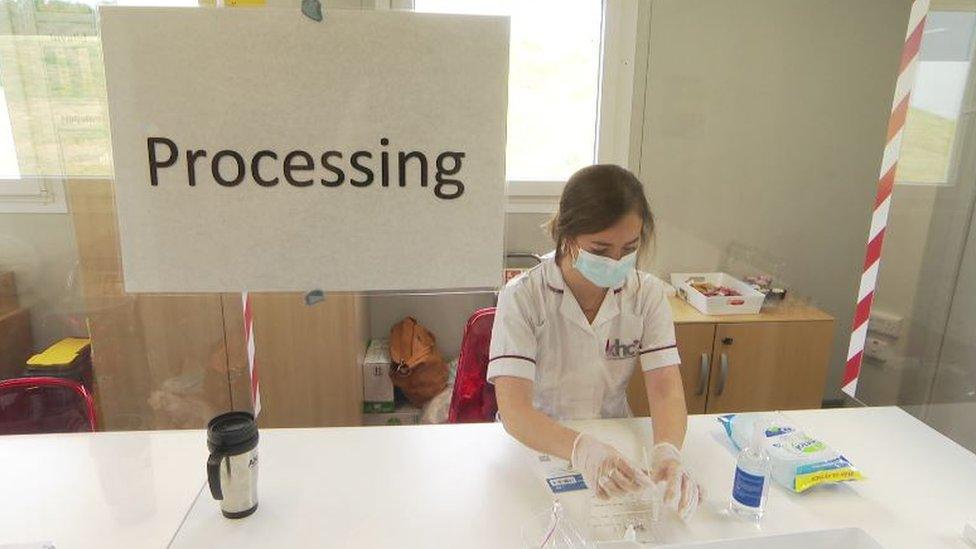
x=569 y=334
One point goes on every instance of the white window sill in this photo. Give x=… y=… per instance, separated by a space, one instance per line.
x=32 y=195
x=533 y=196
x=531 y=205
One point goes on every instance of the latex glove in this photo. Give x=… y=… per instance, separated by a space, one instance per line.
x=681 y=493
x=604 y=469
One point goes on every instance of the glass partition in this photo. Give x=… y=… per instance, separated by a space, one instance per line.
x=736 y=175
x=920 y=350
x=755 y=129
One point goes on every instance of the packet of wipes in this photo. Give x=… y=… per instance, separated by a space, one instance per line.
x=798 y=461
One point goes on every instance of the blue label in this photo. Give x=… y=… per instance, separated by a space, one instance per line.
x=567 y=483
x=836 y=463
x=775 y=431
x=747 y=489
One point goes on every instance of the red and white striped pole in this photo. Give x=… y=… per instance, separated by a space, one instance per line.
x=252 y=364
x=882 y=201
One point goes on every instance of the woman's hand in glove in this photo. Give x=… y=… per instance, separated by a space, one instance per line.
x=604 y=469
x=681 y=492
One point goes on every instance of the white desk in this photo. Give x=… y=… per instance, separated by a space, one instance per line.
x=449 y=486
x=472 y=486
x=98 y=490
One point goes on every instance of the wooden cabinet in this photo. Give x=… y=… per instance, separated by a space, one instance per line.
x=16 y=343
x=769 y=366
x=165 y=361
x=775 y=360
x=695 y=347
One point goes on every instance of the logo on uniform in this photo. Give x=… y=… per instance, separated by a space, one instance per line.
x=617 y=349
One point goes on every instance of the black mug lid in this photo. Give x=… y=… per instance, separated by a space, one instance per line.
x=231 y=430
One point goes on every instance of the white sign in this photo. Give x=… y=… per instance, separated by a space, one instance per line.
x=256 y=149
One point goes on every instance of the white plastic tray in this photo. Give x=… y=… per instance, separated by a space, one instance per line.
x=750 y=302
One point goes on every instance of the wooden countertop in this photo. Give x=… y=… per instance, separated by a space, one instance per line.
x=790 y=311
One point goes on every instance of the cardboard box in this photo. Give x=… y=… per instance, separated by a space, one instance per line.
x=404 y=415
x=377 y=386
x=8 y=293
x=16 y=345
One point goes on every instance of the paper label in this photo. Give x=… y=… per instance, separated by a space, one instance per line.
x=559 y=476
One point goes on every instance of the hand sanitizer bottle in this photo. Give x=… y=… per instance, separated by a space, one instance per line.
x=752 y=471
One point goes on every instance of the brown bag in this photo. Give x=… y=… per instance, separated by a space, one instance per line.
x=417 y=366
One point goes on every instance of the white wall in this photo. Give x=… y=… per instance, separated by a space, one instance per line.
x=445 y=315
x=764 y=124
x=761 y=126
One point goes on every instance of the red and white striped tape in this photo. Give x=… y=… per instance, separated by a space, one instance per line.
x=252 y=365
x=882 y=201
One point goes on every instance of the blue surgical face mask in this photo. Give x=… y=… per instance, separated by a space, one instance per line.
x=603 y=271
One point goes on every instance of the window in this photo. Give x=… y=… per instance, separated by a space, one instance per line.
x=53 y=121
x=936 y=103
x=9 y=168
x=554 y=73
x=570 y=78
x=54 y=89
x=568 y=107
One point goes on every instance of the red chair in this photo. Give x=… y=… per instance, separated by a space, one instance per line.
x=473 y=399
x=31 y=405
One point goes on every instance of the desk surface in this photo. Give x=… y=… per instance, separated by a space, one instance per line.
x=473 y=486
x=98 y=490
x=451 y=486
x=790 y=311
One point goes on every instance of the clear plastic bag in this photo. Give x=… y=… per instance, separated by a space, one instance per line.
x=552 y=530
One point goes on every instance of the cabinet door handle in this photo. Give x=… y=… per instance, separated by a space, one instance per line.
x=703 y=374
x=723 y=374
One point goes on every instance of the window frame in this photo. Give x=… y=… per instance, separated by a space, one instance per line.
x=614 y=108
x=41 y=195
x=37 y=194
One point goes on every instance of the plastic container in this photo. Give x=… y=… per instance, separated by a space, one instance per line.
x=750 y=487
x=69 y=358
x=748 y=302
x=553 y=529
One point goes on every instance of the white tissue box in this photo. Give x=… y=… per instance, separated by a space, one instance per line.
x=377 y=386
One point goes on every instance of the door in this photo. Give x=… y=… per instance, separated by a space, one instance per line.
x=769 y=366
x=695 y=348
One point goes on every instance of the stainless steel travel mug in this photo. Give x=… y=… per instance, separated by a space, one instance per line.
x=232 y=469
